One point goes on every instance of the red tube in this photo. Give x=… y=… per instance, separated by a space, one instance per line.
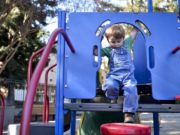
x=176 y=49
x=46 y=103
x=125 y=129
x=32 y=86
x=47 y=110
x=29 y=74
x=30 y=64
x=2 y=114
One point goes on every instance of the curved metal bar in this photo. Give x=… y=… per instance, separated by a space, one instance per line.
x=27 y=109
x=45 y=102
x=38 y=52
x=2 y=114
x=47 y=110
x=29 y=74
x=175 y=50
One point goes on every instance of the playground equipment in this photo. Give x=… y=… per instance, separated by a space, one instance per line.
x=46 y=106
x=2 y=114
x=156 y=59
x=46 y=98
x=122 y=129
x=29 y=74
x=32 y=85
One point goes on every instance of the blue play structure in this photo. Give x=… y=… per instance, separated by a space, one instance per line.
x=156 y=59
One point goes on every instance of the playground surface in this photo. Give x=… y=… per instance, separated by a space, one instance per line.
x=169 y=123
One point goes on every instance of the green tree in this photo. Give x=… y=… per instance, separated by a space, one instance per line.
x=138 y=6
x=165 y=6
x=131 y=6
x=21 y=23
x=21 y=33
x=106 y=6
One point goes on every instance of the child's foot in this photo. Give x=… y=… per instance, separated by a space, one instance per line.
x=113 y=101
x=129 y=118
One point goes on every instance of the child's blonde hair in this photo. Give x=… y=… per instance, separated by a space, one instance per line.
x=116 y=31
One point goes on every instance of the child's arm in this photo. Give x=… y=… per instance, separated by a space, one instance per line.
x=133 y=34
x=104 y=51
x=130 y=39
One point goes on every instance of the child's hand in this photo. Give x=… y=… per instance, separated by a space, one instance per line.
x=3 y=91
x=134 y=33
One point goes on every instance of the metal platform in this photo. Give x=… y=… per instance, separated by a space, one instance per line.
x=160 y=108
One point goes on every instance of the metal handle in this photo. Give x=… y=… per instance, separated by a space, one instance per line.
x=29 y=74
x=46 y=98
x=96 y=56
x=2 y=114
x=27 y=109
x=175 y=50
x=151 y=57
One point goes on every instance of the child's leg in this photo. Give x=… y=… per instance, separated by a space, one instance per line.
x=111 y=87
x=130 y=103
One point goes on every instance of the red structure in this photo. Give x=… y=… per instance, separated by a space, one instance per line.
x=125 y=129
x=46 y=98
x=2 y=114
x=33 y=82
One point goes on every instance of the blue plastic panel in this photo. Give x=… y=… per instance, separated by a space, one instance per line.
x=164 y=65
x=142 y=74
x=81 y=73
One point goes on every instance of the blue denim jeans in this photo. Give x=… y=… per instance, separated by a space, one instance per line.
x=112 y=87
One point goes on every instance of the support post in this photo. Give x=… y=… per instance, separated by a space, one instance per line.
x=59 y=126
x=73 y=120
x=179 y=9
x=156 y=123
x=150 y=6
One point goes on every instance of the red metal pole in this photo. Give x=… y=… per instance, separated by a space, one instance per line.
x=47 y=110
x=38 y=52
x=32 y=86
x=176 y=49
x=29 y=74
x=2 y=114
x=46 y=98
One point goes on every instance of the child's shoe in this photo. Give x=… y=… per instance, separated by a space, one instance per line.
x=129 y=117
x=113 y=101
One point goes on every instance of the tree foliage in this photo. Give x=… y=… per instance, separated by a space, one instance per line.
x=137 y=5
x=21 y=23
x=130 y=6
x=165 y=6
x=102 y=6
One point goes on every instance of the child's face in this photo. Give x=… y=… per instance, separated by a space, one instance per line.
x=115 y=42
